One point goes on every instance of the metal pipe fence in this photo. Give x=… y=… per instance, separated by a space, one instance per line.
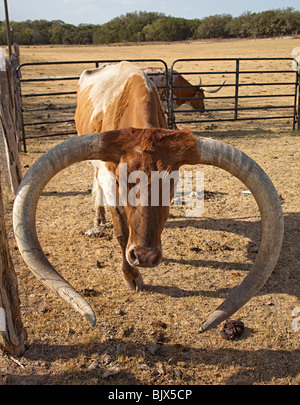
x=241 y=98
x=239 y=89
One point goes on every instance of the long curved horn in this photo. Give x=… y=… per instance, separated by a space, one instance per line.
x=212 y=152
x=209 y=89
x=74 y=150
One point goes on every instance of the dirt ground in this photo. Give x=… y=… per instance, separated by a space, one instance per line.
x=152 y=337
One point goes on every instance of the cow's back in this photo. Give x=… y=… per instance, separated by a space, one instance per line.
x=117 y=96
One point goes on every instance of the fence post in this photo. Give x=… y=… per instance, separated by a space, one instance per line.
x=16 y=75
x=298 y=117
x=11 y=326
x=9 y=112
x=171 y=117
x=237 y=76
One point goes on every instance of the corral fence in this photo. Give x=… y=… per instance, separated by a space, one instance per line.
x=12 y=332
x=252 y=89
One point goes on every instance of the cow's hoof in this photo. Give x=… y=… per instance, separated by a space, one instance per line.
x=96 y=231
x=136 y=284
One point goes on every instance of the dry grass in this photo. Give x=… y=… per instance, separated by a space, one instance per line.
x=185 y=288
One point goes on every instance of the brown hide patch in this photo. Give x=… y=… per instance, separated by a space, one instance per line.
x=168 y=148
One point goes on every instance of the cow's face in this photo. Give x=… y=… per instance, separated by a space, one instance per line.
x=141 y=178
x=185 y=93
x=198 y=104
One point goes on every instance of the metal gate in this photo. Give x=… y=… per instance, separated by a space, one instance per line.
x=49 y=100
x=275 y=95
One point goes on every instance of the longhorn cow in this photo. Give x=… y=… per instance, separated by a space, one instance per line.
x=120 y=118
x=183 y=91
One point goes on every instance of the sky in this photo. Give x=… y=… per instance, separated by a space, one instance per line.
x=100 y=11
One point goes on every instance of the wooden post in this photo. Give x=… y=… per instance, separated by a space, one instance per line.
x=12 y=332
x=11 y=326
x=7 y=28
x=9 y=126
x=16 y=75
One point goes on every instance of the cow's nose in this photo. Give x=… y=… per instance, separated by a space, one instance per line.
x=144 y=257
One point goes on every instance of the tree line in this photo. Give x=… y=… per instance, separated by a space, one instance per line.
x=145 y=27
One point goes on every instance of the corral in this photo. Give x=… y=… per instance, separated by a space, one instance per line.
x=152 y=337
x=252 y=89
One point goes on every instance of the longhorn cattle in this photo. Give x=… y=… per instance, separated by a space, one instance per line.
x=183 y=91
x=120 y=120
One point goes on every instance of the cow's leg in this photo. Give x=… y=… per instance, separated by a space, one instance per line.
x=99 y=217
x=131 y=275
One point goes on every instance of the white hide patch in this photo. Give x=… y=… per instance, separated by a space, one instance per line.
x=107 y=181
x=158 y=77
x=107 y=82
x=159 y=80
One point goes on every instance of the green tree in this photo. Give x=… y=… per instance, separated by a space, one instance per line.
x=144 y=26
x=2 y=34
x=216 y=26
x=125 y=28
x=56 y=32
x=246 y=25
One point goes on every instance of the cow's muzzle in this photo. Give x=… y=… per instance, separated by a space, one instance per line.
x=144 y=257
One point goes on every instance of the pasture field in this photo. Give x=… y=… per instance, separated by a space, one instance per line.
x=152 y=337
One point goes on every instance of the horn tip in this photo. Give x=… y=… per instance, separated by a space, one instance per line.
x=213 y=320
x=204 y=327
x=90 y=316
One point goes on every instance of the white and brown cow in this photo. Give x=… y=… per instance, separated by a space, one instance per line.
x=121 y=115
x=113 y=97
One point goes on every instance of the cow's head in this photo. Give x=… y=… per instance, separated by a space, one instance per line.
x=145 y=167
x=197 y=103
x=186 y=93
x=148 y=149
